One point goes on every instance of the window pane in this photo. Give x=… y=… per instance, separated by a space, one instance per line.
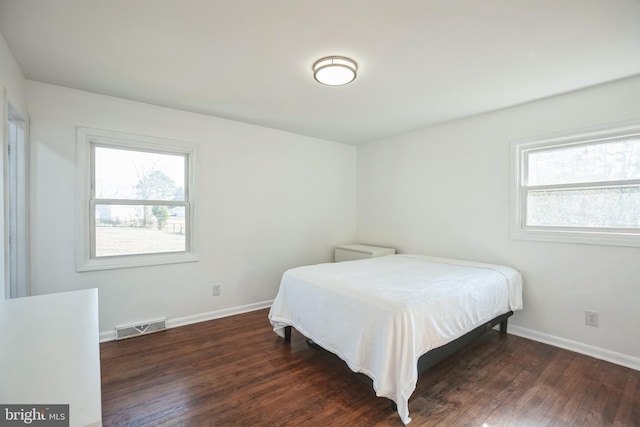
x=609 y=161
x=138 y=175
x=132 y=230
x=607 y=207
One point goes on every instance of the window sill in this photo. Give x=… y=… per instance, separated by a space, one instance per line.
x=132 y=261
x=577 y=237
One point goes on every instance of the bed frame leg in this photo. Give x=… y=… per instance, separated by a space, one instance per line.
x=503 y=326
x=287 y=333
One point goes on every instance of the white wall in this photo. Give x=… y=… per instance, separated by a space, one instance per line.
x=12 y=90
x=446 y=191
x=11 y=77
x=267 y=201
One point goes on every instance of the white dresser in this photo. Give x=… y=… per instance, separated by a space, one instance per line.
x=357 y=251
x=50 y=354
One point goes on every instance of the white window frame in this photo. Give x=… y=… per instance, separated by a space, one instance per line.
x=87 y=139
x=593 y=236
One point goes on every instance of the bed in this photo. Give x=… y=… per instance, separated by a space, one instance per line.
x=391 y=316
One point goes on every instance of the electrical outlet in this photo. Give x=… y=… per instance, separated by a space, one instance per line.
x=215 y=290
x=591 y=318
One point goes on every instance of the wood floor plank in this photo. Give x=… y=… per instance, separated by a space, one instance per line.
x=627 y=404
x=235 y=371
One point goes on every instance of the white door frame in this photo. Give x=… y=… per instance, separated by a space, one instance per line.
x=15 y=195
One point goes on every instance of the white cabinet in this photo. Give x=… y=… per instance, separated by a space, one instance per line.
x=356 y=251
x=49 y=353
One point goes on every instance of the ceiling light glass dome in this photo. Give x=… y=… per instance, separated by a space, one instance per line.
x=335 y=70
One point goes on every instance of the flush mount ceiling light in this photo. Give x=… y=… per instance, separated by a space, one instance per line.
x=335 y=70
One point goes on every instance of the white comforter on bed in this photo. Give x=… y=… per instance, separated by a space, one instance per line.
x=381 y=314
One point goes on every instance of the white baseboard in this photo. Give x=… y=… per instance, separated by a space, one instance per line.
x=107 y=336
x=597 y=352
x=202 y=317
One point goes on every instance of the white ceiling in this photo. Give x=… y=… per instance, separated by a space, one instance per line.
x=421 y=62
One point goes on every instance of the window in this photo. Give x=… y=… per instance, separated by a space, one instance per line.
x=135 y=200
x=581 y=188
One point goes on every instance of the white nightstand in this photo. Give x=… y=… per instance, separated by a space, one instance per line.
x=355 y=251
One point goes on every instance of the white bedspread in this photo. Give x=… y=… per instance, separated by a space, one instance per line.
x=381 y=314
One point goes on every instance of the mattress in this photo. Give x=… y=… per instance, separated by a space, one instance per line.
x=381 y=314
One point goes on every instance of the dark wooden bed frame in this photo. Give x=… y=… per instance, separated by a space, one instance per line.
x=432 y=357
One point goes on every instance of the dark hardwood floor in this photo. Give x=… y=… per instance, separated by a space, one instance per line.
x=236 y=371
